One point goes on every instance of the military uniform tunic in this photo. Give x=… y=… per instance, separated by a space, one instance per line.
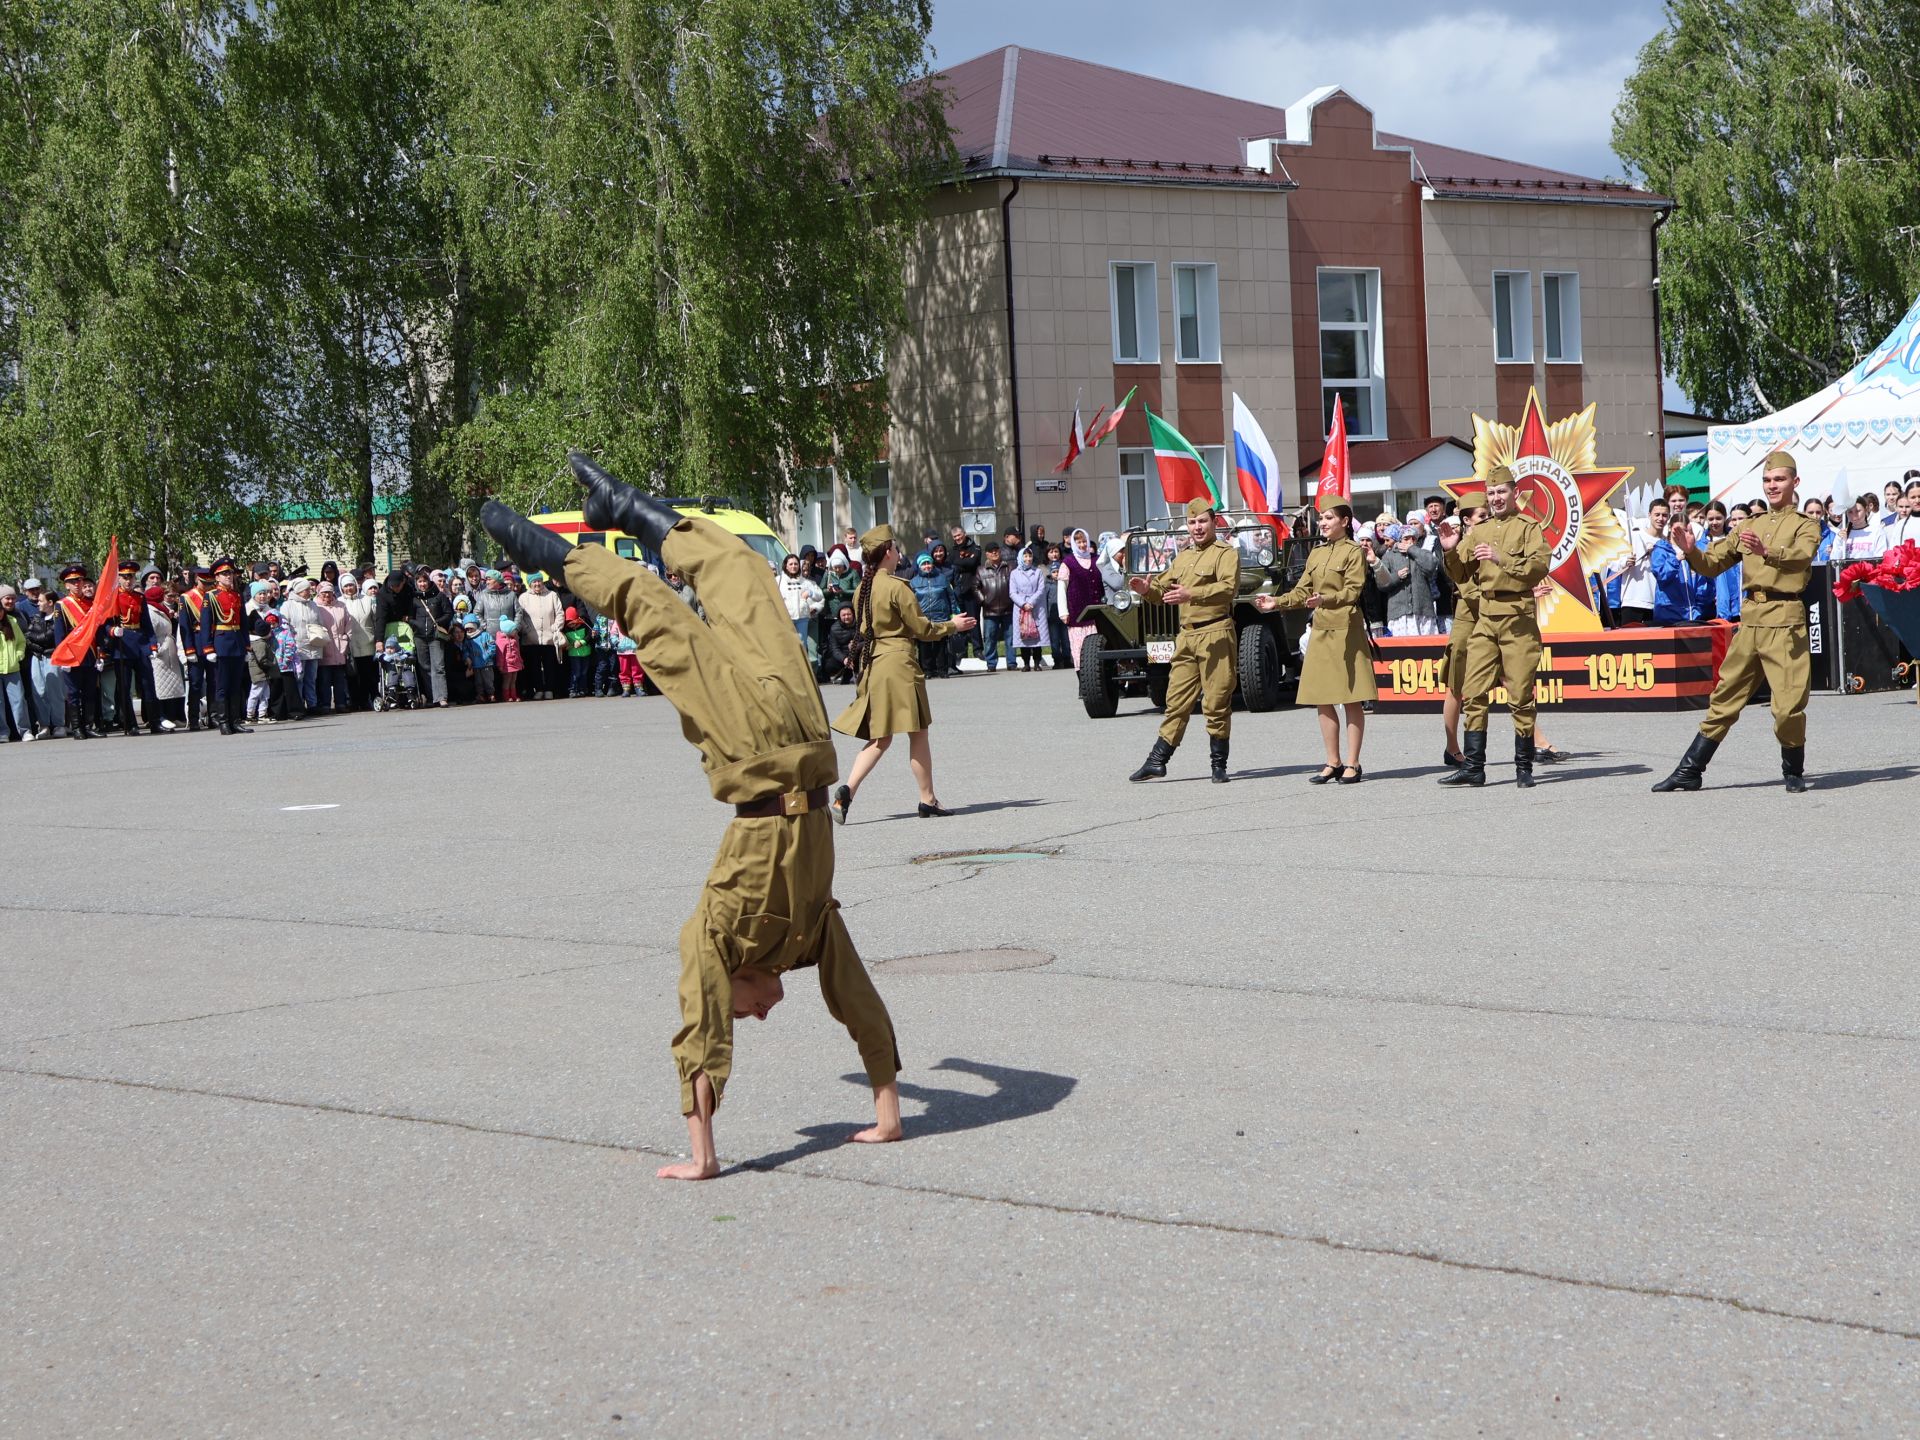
x=1772 y=636
x=1338 y=667
x=892 y=697
x=749 y=703
x=1203 y=653
x=1504 y=647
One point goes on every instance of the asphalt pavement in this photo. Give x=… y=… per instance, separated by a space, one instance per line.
x=334 y=1072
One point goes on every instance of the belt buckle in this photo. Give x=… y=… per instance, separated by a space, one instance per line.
x=794 y=802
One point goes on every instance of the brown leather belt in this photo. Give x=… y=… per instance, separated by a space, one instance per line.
x=794 y=802
x=1770 y=594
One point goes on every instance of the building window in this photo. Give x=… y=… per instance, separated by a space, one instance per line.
x=872 y=504
x=813 y=517
x=1351 y=364
x=1562 y=295
x=1196 y=313
x=1141 y=502
x=1136 y=315
x=1513 y=317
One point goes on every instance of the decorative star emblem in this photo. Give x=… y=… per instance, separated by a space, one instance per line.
x=1562 y=487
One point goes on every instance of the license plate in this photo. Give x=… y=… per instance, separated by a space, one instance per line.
x=1160 y=652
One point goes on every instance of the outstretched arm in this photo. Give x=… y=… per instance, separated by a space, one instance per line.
x=705 y=1163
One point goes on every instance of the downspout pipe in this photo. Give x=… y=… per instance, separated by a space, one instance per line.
x=1659 y=356
x=1013 y=362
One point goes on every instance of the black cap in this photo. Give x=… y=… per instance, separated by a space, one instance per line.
x=75 y=571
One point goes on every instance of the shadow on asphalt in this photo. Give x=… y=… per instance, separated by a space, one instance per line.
x=1836 y=780
x=981 y=808
x=1017 y=1095
x=1562 y=772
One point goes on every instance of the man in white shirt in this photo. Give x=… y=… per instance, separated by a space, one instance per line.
x=1638 y=587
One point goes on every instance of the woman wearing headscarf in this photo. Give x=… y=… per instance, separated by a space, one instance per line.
x=1338 y=669
x=541 y=618
x=1027 y=588
x=169 y=675
x=893 y=690
x=1080 y=590
x=308 y=626
x=1112 y=551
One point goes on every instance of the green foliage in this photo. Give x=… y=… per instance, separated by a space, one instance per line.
x=1788 y=133
x=703 y=204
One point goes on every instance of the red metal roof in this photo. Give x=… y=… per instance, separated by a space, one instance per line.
x=1029 y=110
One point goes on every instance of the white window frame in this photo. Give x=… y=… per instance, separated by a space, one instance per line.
x=1206 y=291
x=1145 y=275
x=871 y=504
x=1520 y=315
x=1374 y=328
x=1153 y=504
x=1567 y=315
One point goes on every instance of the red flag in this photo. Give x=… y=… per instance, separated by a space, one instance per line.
x=1077 y=437
x=1101 y=429
x=79 y=643
x=1336 y=480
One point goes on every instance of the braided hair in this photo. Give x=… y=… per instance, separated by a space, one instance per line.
x=861 y=650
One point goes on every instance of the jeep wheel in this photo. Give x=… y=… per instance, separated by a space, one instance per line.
x=1157 y=685
x=1099 y=689
x=1259 y=668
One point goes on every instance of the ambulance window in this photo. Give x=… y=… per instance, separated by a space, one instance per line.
x=626 y=549
x=591 y=537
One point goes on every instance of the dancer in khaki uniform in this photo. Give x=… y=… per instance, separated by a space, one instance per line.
x=748 y=702
x=1338 y=668
x=892 y=700
x=1775 y=552
x=1505 y=556
x=1202 y=580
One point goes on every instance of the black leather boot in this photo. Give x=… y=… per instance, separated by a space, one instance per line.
x=1686 y=775
x=1473 y=769
x=1155 y=765
x=1793 y=765
x=1523 y=761
x=613 y=504
x=1217 y=753
x=531 y=546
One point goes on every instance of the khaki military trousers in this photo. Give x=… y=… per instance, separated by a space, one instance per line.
x=1503 y=650
x=1778 y=652
x=743 y=688
x=1203 y=671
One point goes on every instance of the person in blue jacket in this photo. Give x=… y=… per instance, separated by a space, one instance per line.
x=1680 y=592
x=933 y=588
x=1817 y=511
x=1726 y=585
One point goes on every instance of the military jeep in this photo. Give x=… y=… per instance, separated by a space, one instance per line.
x=1131 y=649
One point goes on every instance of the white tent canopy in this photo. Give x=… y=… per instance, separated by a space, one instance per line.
x=1851 y=438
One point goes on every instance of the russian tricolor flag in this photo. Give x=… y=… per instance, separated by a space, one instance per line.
x=1257 y=469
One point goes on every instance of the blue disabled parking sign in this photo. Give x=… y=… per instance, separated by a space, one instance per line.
x=976 y=487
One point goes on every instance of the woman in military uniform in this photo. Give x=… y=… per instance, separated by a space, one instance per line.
x=1338 y=669
x=888 y=629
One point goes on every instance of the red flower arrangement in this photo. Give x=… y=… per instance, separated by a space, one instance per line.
x=1898 y=569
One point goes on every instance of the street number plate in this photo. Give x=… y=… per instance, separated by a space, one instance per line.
x=1160 y=652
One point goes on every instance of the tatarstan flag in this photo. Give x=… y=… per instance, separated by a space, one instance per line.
x=1183 y=474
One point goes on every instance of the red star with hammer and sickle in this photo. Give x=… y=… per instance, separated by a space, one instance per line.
x=1542 y=502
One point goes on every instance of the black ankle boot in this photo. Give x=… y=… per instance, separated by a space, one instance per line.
x=1473 y=769
x=1686 y=775
x=1793 y=765
x=530 y=546
x=1155 y=765
x=1217 y=753
x=1523 y=761
x=612 y=504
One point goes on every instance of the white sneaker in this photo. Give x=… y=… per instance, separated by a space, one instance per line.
x=29 y=736
x=167 y=725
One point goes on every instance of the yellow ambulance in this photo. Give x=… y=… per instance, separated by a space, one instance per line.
x=722 y=511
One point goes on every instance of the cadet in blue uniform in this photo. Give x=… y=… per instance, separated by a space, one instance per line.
x=130 y=648
x=227 y=629
x=83 y=680
x=193 y=629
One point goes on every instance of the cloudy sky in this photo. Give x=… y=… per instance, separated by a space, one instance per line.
x=1535 y=81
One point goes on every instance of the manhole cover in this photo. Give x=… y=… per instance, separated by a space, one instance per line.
x=965 y=962
x=984 y=857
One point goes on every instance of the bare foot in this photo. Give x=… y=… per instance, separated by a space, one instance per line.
x=878 y=1135
x=688 y=1170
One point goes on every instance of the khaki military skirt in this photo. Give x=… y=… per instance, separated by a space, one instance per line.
x=1338 y=668
x=892 y=699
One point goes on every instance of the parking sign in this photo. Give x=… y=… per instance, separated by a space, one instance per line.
x=976 y=487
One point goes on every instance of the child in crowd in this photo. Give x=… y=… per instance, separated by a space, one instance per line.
x=579 y=652
x=480 y=654
x=506 y=647
x=263 y=666
x=629 y=662
x=606 y=679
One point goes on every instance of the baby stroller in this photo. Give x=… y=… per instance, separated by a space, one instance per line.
x=399 y=687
